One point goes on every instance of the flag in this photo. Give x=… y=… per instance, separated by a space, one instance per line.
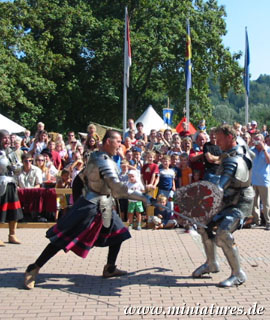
x=167 y=116
x=188 y=59
x=127 y=48
x=246 y=71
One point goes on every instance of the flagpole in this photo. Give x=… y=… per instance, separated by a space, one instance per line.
x=187 y=108
x=246 y=75
x=125 y=79
x=188 y=71
x=246 y=109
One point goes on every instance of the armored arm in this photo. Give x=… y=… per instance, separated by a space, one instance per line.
x=229 y=167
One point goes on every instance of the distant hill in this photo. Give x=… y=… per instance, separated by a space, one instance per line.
x=232 y=108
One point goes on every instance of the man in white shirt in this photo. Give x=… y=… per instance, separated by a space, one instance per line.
x=30 y=176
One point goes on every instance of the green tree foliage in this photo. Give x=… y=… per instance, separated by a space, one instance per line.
x=232 y=108
x=62 y=60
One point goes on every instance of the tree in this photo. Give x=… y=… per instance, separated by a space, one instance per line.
x=64 y=59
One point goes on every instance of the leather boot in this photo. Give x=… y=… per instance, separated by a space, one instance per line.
x=238 y=276
x=30 y=276
x=211 y=264
x=115 y=273
x=2 y=244
x=12 y=237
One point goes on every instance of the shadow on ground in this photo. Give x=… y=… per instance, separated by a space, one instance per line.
x=96 y=285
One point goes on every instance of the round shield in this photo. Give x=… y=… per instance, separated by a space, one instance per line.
x=199 y=200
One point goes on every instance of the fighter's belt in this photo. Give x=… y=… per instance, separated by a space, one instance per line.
x=199 y=200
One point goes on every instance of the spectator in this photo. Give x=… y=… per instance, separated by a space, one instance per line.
x=40 y=127
x=261 y=180
x=186 y=145
x=186 y=171
x=254 y=129
x=92 y=132
x=156 y=142
x=264 y=131
x=175 y=166
x=56 y=158
x=140 y=135
x=168 y=137
x=18 y=151
x=27 y=138
x=61 y=149
x=138 y=162
x=135 y=206
x=212 y=153
x=162 y=217
x=175 y=149
x=133 y=140
x=131 y=126
x=39 y=143
x=267 y=140
x=49 y=164
x=196 y=156
x=30 y=175
x=90 y=144
x=150 y=172
x=247 y=138
x=12 y=138
x=71 y=140
x=166 y=185
x=40 y=163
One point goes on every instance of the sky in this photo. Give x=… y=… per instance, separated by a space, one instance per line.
x=253 y=14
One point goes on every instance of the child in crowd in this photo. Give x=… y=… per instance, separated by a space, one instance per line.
x=135 y=184
x=166 y=185
x=175 y=162
x=150 y=172
x=186 y=171
x=163 y=218
x=137 y=159
x=196 y=175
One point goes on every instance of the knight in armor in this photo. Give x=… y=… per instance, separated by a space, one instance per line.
x=92 y=221
x=10 y=206
x=235 y=177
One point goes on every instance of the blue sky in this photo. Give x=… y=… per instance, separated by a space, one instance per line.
x=253 y=14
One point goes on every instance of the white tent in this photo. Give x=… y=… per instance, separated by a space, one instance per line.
x=151 y=120
x=9 y=125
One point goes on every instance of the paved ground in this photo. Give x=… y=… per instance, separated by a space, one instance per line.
x=160 y=263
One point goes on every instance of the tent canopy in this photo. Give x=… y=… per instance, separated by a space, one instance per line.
x=9 y=125
x=151 y=120
x=179 y=128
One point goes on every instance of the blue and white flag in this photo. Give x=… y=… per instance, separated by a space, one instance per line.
x=167 y=116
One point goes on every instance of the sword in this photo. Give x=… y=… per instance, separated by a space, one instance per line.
x=199 y=224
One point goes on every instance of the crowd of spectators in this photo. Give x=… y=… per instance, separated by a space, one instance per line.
x=159 y=162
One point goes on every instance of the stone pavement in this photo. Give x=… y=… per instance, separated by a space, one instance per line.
x=160 y=263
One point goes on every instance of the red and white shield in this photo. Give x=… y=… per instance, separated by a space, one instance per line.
x=199 y=200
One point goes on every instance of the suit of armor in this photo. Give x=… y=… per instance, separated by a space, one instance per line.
x=235 y=172
x=102 y=185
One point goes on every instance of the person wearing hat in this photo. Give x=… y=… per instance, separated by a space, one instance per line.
x=254 y=129
x=49 y=163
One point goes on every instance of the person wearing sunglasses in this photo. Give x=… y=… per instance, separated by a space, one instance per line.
x=30 y=176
